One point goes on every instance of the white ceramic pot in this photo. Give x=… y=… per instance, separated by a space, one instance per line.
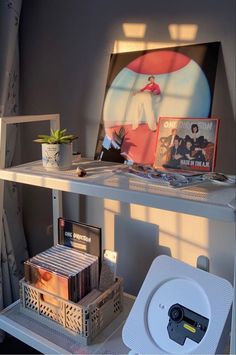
x=57 y=156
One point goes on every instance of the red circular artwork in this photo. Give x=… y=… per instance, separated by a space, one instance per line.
x=164 y=62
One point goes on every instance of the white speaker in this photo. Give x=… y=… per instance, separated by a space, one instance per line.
x=179 y=310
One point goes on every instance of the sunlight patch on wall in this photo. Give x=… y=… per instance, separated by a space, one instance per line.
x=121 y=46
x=111 y=208
x=152 y=215
x=134 y=30
x=188 y=239
x=139 y=212
x=183 y=32
x=184 y=235
x=194 y=229
x=179 y=34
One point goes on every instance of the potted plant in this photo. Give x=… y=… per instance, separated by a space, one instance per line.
x=56 y=149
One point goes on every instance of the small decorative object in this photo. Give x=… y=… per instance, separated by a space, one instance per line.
x=80 y=172
x=56 y=149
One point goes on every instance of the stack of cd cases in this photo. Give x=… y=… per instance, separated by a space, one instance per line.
x=64 y=272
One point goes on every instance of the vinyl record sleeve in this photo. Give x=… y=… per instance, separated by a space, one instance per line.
x=187 y=144
x=143 y=86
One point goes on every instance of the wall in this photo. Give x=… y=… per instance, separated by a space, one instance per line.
x=65 y=50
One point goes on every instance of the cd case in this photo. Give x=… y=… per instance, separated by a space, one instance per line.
x=83 y=237
x=63 y=272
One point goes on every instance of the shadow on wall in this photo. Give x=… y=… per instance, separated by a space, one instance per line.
x=135 y=253
x=222 y=108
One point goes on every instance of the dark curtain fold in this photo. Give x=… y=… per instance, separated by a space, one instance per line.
x=13 y=248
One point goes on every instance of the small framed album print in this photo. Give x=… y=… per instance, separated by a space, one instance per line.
x=186 y=143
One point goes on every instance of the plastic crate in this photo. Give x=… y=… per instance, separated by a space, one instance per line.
x=86 y=322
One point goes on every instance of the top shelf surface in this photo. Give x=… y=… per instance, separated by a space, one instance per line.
x=205 y=199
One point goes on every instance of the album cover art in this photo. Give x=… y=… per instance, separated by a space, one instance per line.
x=145 y=85
x=49 y=281
x=83 y=237
x=186 y=143
x=63 y=272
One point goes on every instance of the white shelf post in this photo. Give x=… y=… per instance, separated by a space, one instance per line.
x=56 y=195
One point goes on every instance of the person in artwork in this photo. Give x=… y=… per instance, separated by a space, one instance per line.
x=112 y=147
x=143 y=104
x=198 y=143
x=168 y=141
x=152 y=86
x=175 y=154
x=187 y=150
x=52 y=283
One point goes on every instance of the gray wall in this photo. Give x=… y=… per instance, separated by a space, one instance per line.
x=65 y=50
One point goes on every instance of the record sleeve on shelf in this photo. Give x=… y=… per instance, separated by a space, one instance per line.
x=143 y=86
x=186 y=144
x=83 y=237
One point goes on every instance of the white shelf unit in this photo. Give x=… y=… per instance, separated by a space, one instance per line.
x=50 y=338
x=205 y=200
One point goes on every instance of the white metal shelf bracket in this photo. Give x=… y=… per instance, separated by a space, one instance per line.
x=56 y=195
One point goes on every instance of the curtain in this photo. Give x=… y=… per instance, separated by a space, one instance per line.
x=13 y=248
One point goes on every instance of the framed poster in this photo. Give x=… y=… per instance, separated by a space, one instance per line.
x=145 y=85
x=186 y=143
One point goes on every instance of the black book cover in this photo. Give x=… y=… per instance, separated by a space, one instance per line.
x=81 y=236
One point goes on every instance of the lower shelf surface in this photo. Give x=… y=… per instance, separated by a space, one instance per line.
x=50 y=338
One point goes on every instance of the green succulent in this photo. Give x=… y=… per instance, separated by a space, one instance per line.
x=57 y=137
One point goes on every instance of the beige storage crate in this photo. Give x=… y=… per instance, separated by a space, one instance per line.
x=86 y=322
